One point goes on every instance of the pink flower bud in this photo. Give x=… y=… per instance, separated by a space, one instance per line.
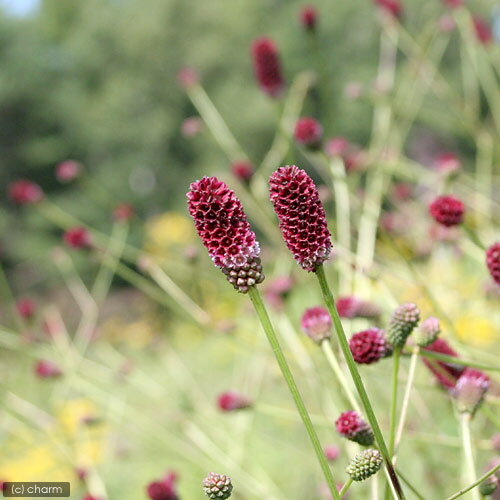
x=242 y=170
x=470 y=390
x=68 y=171
x=187 y=77
x=316 y=323
x=267 y=67
x=392 y=7
x=123 y=212
x=47 y=369
x=352 y=426
x=352 y=307
x=191 y=126
x=231 y=401
x=493 y=261
x=332 y=452
x=447 y=162
x=447 y=210
x=308 y=132
x=482 y=31
x=163 y=489
x=369 y=346
x=24 y=192
x=77 y=237
x=308 y=17
x=301 y=216
x=26 y=308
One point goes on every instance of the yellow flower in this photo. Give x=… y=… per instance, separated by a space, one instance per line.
x=475 y=329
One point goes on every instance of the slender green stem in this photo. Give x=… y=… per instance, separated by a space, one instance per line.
x=469 y=470
x=412 y=488
x=475 y=483
x=326 y=346
x=394 y=399
x=261 y=311
x=346 y=486
x=330 y=303
x=457 y=361
x=406 y=399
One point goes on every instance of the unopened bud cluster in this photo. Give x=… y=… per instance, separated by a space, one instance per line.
x=364 y=465
x=403 y=320
x=217 y=486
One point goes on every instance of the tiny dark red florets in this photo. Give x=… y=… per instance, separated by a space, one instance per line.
x=267 y=66
x=24 y=192
x=369 y=346
x=163 y=489
x=308 y=131
x=493 y=261
x=308 y=17
x=446 y=374
x=301 y=216
x=447 y=210
x=351 y=425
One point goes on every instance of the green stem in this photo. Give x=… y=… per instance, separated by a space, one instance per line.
x=412 y=488
x=406 y=399
x=330 y=303
x=346 y=486
x=261 y=311
x=475 y=483
x=469 y=471
x=326 y=346
x=394 y=399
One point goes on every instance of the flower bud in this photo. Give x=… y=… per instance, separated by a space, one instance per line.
x=351 y=426
x=470 y=390
x=369 y=346
x=68 y=170
x=493 y=261
x=488 y=486
x=47 y=369
x=403 y=320
x=24 y=192
x=365 y=464
x=447 y=211
x=26 y=308
x=308 y=132
x=316 y=323
x=242 y=170
x=351 y=307
x=217 y=486
x=267 y=67
x=77 y=237
x=428 y=332
x=446 y=374
x=231 y=401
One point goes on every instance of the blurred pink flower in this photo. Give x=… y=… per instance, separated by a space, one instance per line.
x=24 y=192
x=68 y=170
x=191 y=126
x=47 y=369
x=231 y=401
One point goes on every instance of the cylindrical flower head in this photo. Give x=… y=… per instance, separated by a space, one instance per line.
x=369 y=346
x=447 y=210
x=351 y=426
x=308 y=132
x=446 y=374
x=403 y=320
x=316 y=323
x=470 y=390
x=493 y=261
x=231 y=401
x=24 y=192
x=308 y=17
x=224 y=230
x=364 y=464
x=301 y=216
x=489 y=485
x=267 y=67
x=217 y=486
x=428 y=332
